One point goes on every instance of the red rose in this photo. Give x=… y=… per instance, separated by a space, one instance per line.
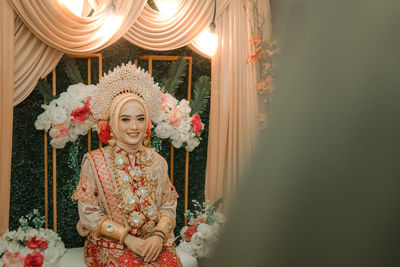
x=82 y=113
x=104 y=131
x=197 y=125
x=148 y=130
x=189 y=232
x=34 y=259
x=42 y=244
x=32 y=243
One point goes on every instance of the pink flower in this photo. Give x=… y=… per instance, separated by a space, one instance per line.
x=175 y=117
x=82 y=113
x=58 y=131
x=12 y=259
x=163 y=101
x=34 y=259
x=197 y=125
x=190 y=232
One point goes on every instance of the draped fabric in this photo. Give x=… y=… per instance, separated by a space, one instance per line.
x=55 y=25
x=6 y=107
x=50 y=29
x=154 y=32
x=233 y=105
x=33 y=60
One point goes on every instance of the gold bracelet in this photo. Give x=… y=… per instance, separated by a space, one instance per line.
x=165 y=225
x=112 y=229
x=159 y=234
x=99 y=224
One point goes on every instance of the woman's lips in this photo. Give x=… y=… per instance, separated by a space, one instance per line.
x=133 y=135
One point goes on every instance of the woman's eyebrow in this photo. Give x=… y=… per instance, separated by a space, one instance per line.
x=125 y=115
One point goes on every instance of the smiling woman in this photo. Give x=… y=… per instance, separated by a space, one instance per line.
x=126 y=203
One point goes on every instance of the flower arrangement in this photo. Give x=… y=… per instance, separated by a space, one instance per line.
x=203 y=230
x=67 y=117
x=31 y=246
x=177 y=124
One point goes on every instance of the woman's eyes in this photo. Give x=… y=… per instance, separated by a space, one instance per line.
x=127 y=119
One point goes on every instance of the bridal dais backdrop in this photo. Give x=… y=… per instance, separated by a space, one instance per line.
x=50 y=29
x=27 y=165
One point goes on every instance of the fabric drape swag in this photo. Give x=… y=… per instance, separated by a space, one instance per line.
x=6 y=108
x=152 y=31
x=46 y=29
x=33 y=60
x=55 y=25
x=233 y=107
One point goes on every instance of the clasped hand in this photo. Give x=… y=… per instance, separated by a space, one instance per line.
x=149 y=249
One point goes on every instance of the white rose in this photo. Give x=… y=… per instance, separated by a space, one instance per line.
x=43 y=121
x=59 y=142
x=192 y=144
x=13 y=247
x=176 y=143
x=197 y=239
x=163 y=130
x=219 y=217
x=183 y=230
x=186 y=247
x=205 y=231
x=170 y=101
x=216 y=228
x=3 y=245
x=184 y=106
x=56 y=113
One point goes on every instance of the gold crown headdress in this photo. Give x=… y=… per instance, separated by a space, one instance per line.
x=126 y=79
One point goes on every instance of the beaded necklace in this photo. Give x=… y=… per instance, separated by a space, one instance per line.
x=137 y=183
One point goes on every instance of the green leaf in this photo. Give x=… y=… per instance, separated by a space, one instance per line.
x=176 y=73
x=217 y=203
x=45 y=90
x=201 y=95
x=72 y=70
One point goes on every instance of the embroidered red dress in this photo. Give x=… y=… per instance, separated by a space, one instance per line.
x=98 y=195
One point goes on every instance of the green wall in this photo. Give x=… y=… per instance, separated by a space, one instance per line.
x=27 y=178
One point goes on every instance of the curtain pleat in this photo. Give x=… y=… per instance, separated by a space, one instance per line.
x=6 y=108
x=55 y=25
x=233 y=108
x=154 y=32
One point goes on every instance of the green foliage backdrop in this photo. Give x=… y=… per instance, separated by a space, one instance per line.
x=27 y=180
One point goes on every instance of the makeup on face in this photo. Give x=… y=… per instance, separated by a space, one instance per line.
x=132 y=123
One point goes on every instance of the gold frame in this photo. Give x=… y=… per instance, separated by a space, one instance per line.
x=54 y=151
x=150 y=59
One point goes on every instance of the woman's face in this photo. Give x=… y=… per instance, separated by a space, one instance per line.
x=132 y=123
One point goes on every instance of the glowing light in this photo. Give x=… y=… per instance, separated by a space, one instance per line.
x=207 y=42
x=110 y=26
x=167 y=8
x=75 y=6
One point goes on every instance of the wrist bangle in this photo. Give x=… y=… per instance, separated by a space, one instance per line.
x=159 y=234
x=165 y=225
x=112 y=229
x=99 y=224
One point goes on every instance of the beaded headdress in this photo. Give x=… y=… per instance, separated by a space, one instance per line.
x=126 y=79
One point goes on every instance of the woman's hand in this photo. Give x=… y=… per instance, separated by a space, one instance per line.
x=153 y=247
x=135 y=244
